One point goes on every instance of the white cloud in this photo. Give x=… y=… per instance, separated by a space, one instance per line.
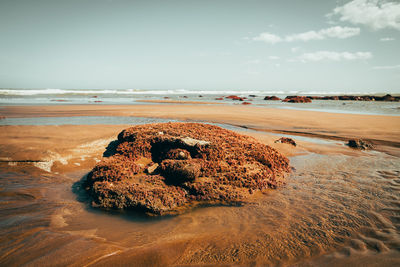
x=274 y=57
x=333 y=56
x=387 y=39
x=332 y=32
x=268 y=38
x=376 y=14
x=386 y=67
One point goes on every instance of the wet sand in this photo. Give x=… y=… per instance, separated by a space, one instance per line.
x=380 y=128
x=166 y=101
x=340 y=206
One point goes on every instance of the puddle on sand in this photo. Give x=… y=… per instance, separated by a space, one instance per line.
x=332 y=205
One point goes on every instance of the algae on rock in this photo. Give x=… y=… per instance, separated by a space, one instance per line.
x=164 y=168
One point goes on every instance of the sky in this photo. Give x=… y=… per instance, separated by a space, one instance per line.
x=309 y=45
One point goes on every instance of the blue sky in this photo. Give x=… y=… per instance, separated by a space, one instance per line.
x=308 y=45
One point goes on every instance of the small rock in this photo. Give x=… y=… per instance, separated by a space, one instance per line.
x=285 y=140
x=360 y=144
x=152 y=168
x=178 y=154
x=235 y=97
x=271 y=98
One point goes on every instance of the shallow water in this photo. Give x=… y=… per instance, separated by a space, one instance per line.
x=82 y=120
x=341 y=206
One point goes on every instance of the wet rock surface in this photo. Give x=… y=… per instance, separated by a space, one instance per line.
x=166 y=168
x=286 y=140
x=360 y=144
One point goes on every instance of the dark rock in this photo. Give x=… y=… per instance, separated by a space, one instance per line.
x=324 y=97
x=297 y=99
x=272 y=98
x=166 y=168
x=246 y=103
x=346 y=97
x=387 y=97
x=178 y=154
x=360 y=144
x=285 y=140
x=180 y=171
x=219 y=98
x=235 y=97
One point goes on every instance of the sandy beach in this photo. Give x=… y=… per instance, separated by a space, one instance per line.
x=379 y=128
x=340 y=206
x=200 y=133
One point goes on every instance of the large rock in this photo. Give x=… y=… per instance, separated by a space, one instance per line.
x=166 y=168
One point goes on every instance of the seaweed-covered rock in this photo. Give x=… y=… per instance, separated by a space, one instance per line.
x=297 y=99
x=274 y=98
x=235 y=97
x=165 y=168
